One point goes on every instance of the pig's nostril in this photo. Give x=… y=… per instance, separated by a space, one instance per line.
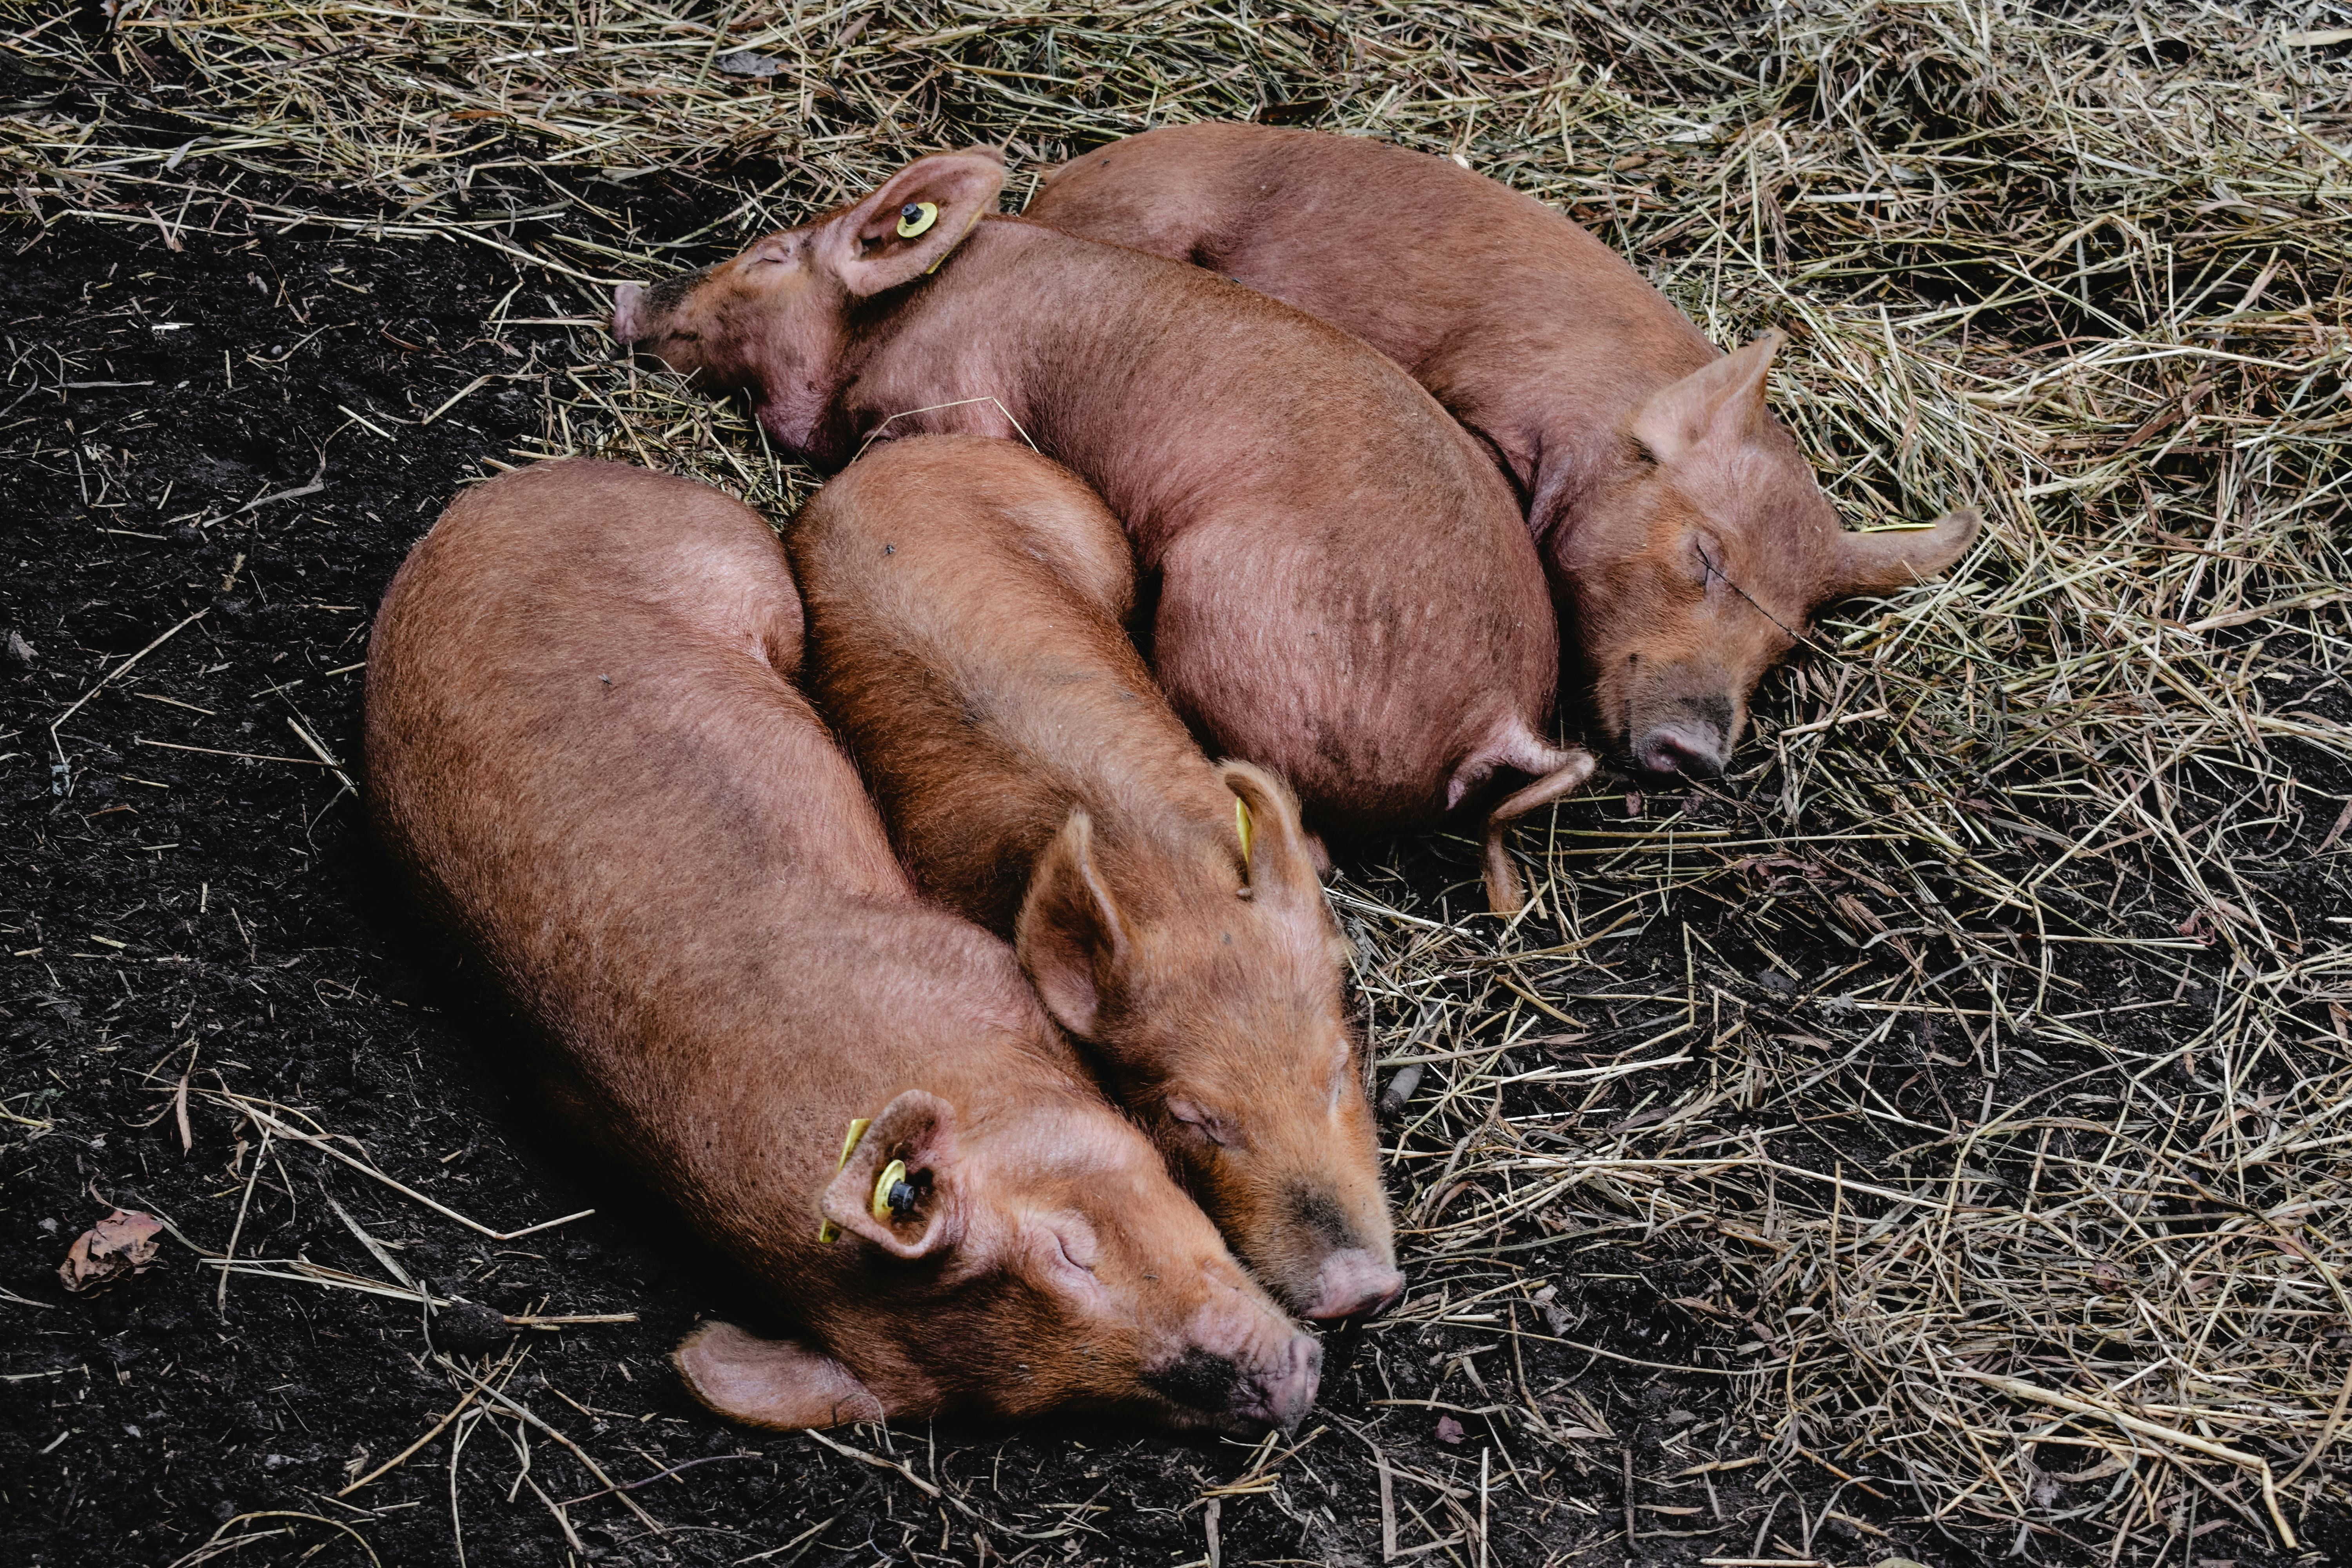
x=1281 y=1395
x=1280 y=1389
x=1293 y=1394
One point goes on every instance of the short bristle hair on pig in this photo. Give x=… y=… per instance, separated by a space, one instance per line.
x=586 y=752
x=966 y=601
x=1687 y=542
x=1346 y=593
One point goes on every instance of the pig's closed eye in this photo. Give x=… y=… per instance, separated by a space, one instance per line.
x=1071 y=1257
x=1199 y=1123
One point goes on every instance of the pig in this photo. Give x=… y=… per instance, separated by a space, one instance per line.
x=1687 y=543
x=966 y=602
x=585 y=748
x=1340 y=587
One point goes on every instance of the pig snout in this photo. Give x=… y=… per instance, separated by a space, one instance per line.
x=1689 y=739
x=1245 y=1364
x=1339 y=1263
x=1681 y=748
x=1353 y=1284
x=1277 y=1391
x=1280 y=1394
x=628 y=313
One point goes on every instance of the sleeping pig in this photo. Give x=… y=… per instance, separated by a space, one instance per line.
x=1341 y=589
x=966 y=603
x=585 y=745
x=1687 y=542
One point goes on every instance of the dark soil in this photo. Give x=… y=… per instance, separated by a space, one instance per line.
x=184 y=916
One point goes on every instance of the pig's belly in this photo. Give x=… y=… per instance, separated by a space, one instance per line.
x=1357 y=685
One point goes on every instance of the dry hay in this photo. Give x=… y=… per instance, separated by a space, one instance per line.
x=1979 y=1052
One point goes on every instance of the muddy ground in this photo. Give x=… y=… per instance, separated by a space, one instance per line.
x=232 y=432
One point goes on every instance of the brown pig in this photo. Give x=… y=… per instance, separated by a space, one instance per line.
x=1342 y=589
x=1687 y=542
x=966 y=603
x=585 y=745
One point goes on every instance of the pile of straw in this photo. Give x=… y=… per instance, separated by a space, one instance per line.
x=1963 y=1083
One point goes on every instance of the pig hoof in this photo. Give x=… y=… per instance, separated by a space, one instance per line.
x=1354 y=1284
x=1506 y=893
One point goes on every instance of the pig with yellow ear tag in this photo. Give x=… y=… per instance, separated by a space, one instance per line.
x=967 y=603
x=586 y=749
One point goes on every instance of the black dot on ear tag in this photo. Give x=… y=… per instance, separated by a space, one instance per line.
x=915 y=217
x=902 y=1199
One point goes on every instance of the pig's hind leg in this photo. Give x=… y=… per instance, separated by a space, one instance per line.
x=1559 y=771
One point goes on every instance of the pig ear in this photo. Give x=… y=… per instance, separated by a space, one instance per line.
x=1271 y=842
x=1070 y=936
x=906 y=228
x=1721 y=404
x=1881 y=562
x=893 y=1186
x=770 y=1382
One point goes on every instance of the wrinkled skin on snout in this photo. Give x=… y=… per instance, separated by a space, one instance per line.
x=586 y=752
x=966 y=602
x=1687 y=543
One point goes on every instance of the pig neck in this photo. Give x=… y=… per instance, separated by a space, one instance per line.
x=719 y=993
x=1091 y=351
x=928 y=1000
x=1564 y=431
x=1169 y=847
x=1162 y=817
x=938 y=1006
x=971 y=330
x=1533 y=332
x=1542 y=340
x=1546 y=343
x=1564 y=354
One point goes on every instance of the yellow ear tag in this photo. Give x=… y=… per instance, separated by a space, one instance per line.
x=1242 y=826
x=915 y=217
x=826 y=1231
x=892 y=1174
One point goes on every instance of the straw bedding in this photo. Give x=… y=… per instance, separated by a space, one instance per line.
x=1942 y=1121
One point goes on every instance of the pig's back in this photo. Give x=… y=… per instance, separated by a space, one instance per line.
x=1349 y=590
x=1521 y=322
x=966 y=600
x=585 y=747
